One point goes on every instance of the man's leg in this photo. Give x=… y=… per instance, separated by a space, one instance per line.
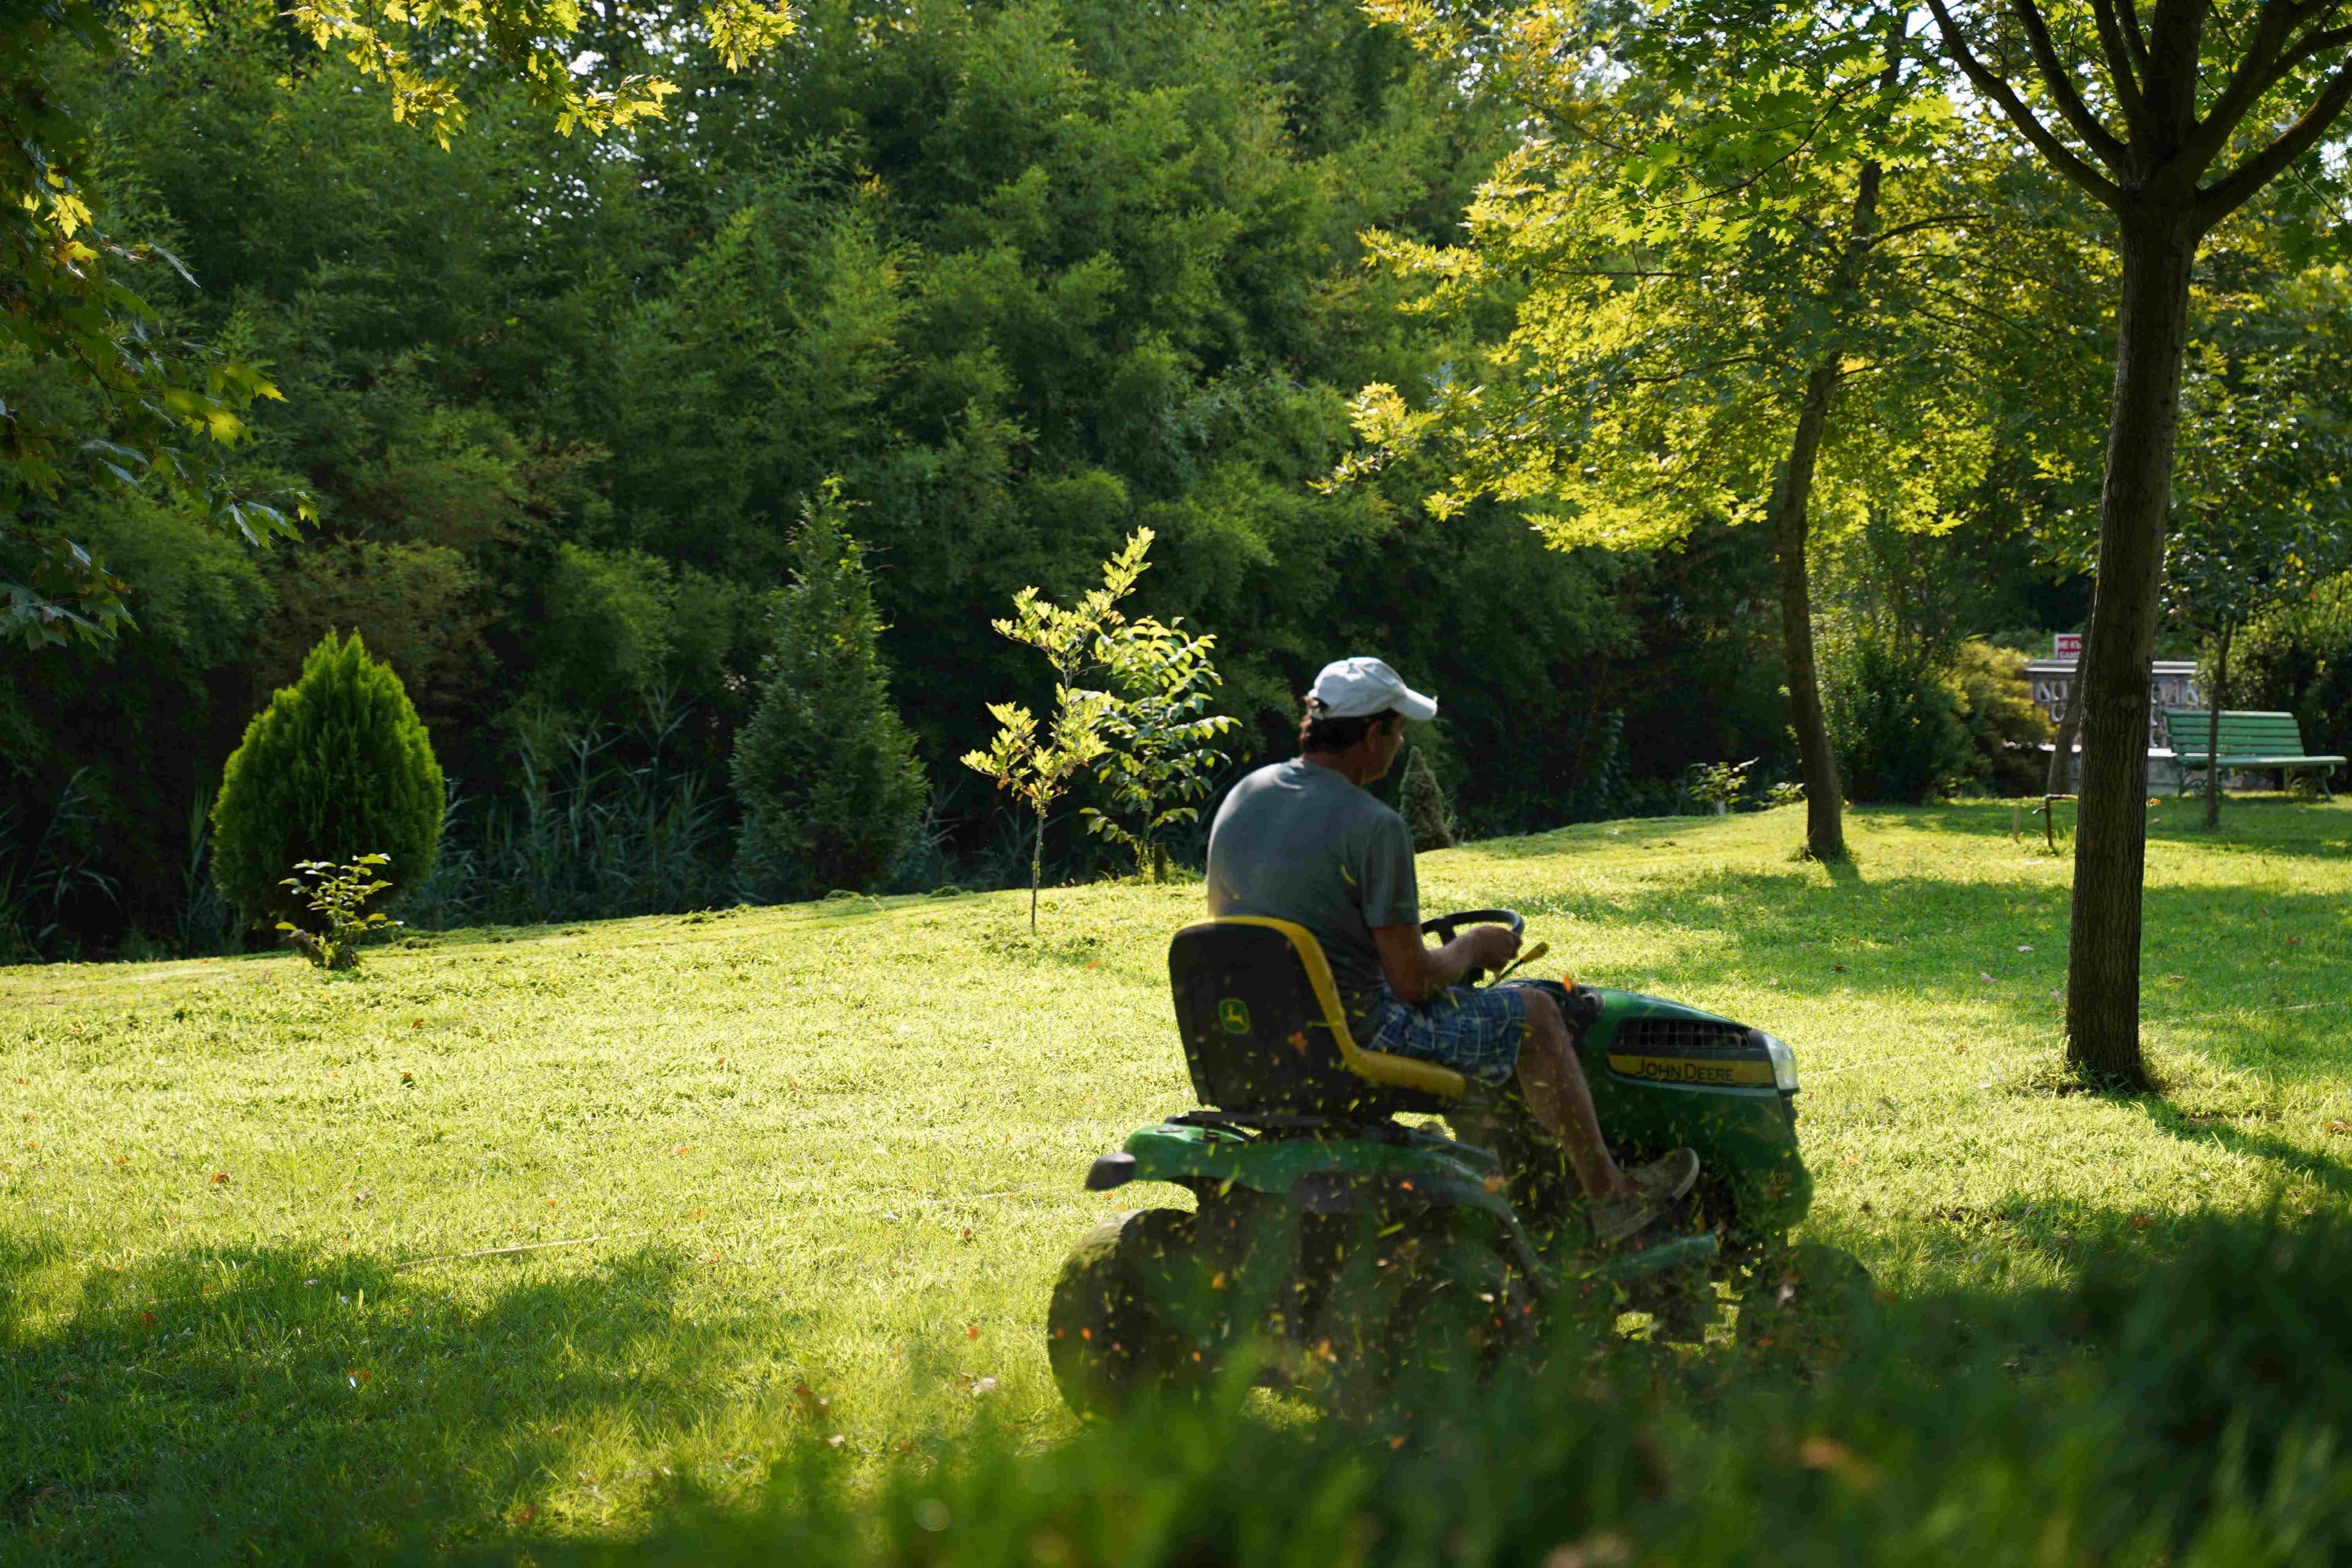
x=1553 y=1082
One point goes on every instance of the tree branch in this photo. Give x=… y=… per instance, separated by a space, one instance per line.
x=2307 y=9
x=2088 y=125
x=1637 y=273
x=2168 y=82
x=1757 y=176
x=2121 y=70
x=2226 y=195
x=2318 y=41
x=1996 y=88
x=1942 y=220
x=2134 y=37
x=1668 y=378
x=2255 y=76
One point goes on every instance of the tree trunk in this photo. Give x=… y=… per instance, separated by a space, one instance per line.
x=1792 y=525
x=2061 y=778
x=2213 y=733
x=2111 y=821
x=2062 y=755
x=1036 y=869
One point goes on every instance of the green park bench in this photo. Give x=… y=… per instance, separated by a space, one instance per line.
x=2246 y=741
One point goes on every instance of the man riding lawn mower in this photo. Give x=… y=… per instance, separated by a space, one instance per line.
x=1330 y=1240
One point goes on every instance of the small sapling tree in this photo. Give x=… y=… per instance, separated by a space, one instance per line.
x=1037 y=769
x=1038 y=766
x=1717 y=785
x=337 y=895
x=1159 y=758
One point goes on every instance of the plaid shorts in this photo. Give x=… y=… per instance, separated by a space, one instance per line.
x=1477 y=1032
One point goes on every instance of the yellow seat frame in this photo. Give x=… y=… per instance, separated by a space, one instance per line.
x=1377 y=1067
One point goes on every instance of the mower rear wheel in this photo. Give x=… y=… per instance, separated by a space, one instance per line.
x=1106 y=1336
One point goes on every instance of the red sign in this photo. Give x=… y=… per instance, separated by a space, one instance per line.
x=2067 y=645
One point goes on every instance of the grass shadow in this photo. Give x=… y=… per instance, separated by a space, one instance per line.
x=274 y=1403
x=2289 y=1156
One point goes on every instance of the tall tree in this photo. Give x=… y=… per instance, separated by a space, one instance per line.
x=1740 y=250
x=119 y=401
x=2171 y=114
x=95 y=388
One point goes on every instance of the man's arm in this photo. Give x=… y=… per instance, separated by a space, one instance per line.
x=1416 y=972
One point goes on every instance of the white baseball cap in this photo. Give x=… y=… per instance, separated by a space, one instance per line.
x=1359 y=688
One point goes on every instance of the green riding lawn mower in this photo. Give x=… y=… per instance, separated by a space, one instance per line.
x=1334 y=1244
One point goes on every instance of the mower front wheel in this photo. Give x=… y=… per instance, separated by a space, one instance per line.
x=1807 y=1300
x=1106 y=1337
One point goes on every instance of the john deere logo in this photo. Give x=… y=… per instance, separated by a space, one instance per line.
x=1233 y=1013
x=1689 y=1069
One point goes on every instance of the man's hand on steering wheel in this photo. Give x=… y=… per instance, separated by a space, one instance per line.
x=1471 y=944
x=1488 y=947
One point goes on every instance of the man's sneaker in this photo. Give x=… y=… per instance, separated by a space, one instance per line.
x=1660 y=1183
x=1670 y=1178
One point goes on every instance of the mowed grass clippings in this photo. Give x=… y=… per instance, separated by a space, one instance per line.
x=833 y=1154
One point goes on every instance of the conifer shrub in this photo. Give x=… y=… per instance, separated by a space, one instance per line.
x=825 y=771
x=1420 y=801
x=336 y=767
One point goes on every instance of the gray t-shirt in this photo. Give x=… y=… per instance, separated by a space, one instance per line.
x=1299 y=843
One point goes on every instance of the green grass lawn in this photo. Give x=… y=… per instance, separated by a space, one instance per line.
x=834 y=1151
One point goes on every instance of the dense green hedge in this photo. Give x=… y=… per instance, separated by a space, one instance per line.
x=336 y=766
x=2191 y=1414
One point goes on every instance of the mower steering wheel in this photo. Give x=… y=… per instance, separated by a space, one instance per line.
x=1443 y=927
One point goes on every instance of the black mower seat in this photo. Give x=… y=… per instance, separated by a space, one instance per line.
x=1263 y=1029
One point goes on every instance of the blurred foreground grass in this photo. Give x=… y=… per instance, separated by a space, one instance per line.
x=833 y=1153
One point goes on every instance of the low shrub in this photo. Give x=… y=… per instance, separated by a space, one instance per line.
x=1894 y=716
x=2194 y=1413
x=1718 y=787
x=337 y=897
x=2006 y=725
